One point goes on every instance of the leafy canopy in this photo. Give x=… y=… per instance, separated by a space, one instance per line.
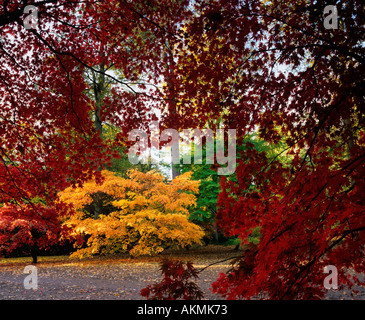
x=266 y=65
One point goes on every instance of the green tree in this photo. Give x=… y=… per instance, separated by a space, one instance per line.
x=204 y=213
x=209 y=188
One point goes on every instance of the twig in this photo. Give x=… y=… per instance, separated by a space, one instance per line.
x=212 y=264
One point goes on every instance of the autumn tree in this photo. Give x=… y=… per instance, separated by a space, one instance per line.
x=32 y=227
x=141 y=214
x=49 y=141
x=274 y=66
x=277 y=66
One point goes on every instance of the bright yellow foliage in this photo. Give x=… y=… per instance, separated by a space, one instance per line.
x=150 y=214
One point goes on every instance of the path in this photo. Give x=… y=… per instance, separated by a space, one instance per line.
x=111 y=279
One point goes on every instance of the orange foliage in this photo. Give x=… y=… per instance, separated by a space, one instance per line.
x=150 y=213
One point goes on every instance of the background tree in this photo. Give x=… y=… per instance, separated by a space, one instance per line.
x=142 y=214
x=16 y=232
x=209 y=189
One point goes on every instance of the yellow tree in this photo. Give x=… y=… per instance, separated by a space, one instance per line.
x=142 y=214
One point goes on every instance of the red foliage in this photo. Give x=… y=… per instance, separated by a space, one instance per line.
x=47 y=137
x=270 y=66
x=278 y=69
x=177 y=283
x=32 y=226
x=307 y=220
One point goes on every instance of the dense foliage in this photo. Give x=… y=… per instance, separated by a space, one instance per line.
x=141 y=214
x=268 y=66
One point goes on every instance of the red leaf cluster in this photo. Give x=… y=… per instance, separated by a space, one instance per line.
x=177 y=283
x=30 y=226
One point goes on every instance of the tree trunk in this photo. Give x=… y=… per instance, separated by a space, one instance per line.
x=33 y=252
x=171 y=100
x=99 y=88
x=97 y=205
x=216 y=237
x=99 y=91
x=174 y=171
x=236 y=248
x=214 y=213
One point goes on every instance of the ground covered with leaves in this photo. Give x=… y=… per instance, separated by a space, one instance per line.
x=117 y=277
